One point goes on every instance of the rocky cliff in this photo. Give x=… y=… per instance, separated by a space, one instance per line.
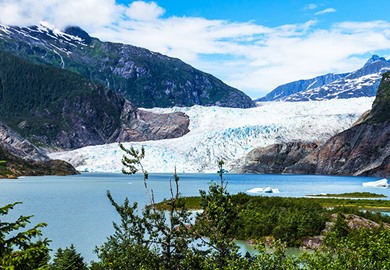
x=59 y=109
x=146 y=78
x=364 y=149
x=19 y=157
x=275 y=158
x=17 y=146
x=12 y=166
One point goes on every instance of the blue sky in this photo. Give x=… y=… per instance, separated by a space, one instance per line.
x=276 y=12
x=251 y=45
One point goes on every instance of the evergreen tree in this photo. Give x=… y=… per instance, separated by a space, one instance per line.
x=21 y=250
x=68 y=259
x=149 y=239
x=217 y=222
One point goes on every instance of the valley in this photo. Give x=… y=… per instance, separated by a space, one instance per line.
x=229 y=134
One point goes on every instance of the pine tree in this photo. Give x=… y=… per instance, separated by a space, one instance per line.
x=68 y=259
x=21 y=250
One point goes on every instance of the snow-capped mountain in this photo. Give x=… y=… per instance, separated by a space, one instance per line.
x=147 y=79
x=363 y=82
x=229 y=134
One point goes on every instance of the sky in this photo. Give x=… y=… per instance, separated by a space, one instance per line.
x=253 y=45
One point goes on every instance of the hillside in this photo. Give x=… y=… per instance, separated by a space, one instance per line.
x=19 y=157
x=12 y=166
x=146 y=78
x=363 y=82
x=56 y=108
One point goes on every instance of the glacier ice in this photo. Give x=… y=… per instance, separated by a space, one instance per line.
x=227 y=133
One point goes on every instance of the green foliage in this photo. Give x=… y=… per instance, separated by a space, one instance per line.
x=19 y=249
x=129 y=248
x=151 y=239
x=146 y=78
x=68 y=259
x=40 y=102
x=381 y=107
x=217 y=222
x=367 y=249
x=286 y=219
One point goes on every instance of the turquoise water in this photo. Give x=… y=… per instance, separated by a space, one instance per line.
x=78 y=212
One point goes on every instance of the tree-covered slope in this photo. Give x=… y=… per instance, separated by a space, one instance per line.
x=56 y=108
x=146 y=78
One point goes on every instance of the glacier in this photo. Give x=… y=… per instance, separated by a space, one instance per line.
x=227 y=133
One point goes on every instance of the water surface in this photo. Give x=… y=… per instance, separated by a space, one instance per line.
x=78 y=212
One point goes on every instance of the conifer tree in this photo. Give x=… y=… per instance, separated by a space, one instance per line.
x=21 y=250
x=68 y=259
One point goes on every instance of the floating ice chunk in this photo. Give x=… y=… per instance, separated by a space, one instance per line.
x=263 y=190
x=380 y=183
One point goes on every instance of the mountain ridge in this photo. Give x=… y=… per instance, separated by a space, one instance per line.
x=56 y=108
x=148 y=79
x=361 y=82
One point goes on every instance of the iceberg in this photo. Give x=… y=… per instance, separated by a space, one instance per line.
x=380 y=183
x=263 y=190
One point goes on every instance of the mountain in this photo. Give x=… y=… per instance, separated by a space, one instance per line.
x=229 y=134
x=19 y=157
x=56 y=108
x=363 y=82
x=363 y=149
x=146 y=78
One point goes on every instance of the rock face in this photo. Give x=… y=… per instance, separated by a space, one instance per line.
x=361 y=150
x=363 y=82
x=20 y=157
x=276 y=158
x=364 y=149
x=17 y=146
x=12 y=166
x=59 y=109
x=140 y=125
x=146 y=78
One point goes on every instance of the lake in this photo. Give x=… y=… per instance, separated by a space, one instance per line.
x=77 y=210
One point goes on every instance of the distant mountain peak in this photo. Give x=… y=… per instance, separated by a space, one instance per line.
x=146 y=78
x=362 y=82
x=374 y=58
x=78 y=32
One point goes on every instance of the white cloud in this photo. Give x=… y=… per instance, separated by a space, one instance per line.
x=141 y=11
x=325 y=11
x=254 y=58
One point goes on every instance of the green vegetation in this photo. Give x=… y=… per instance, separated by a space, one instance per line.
x=68 y=259
x=380 y=109
x=145 y=78
x=12 y=166
x=153 y=238
x=351 y=195
x=47 y=102
x=21 y=249
x=290 y=219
